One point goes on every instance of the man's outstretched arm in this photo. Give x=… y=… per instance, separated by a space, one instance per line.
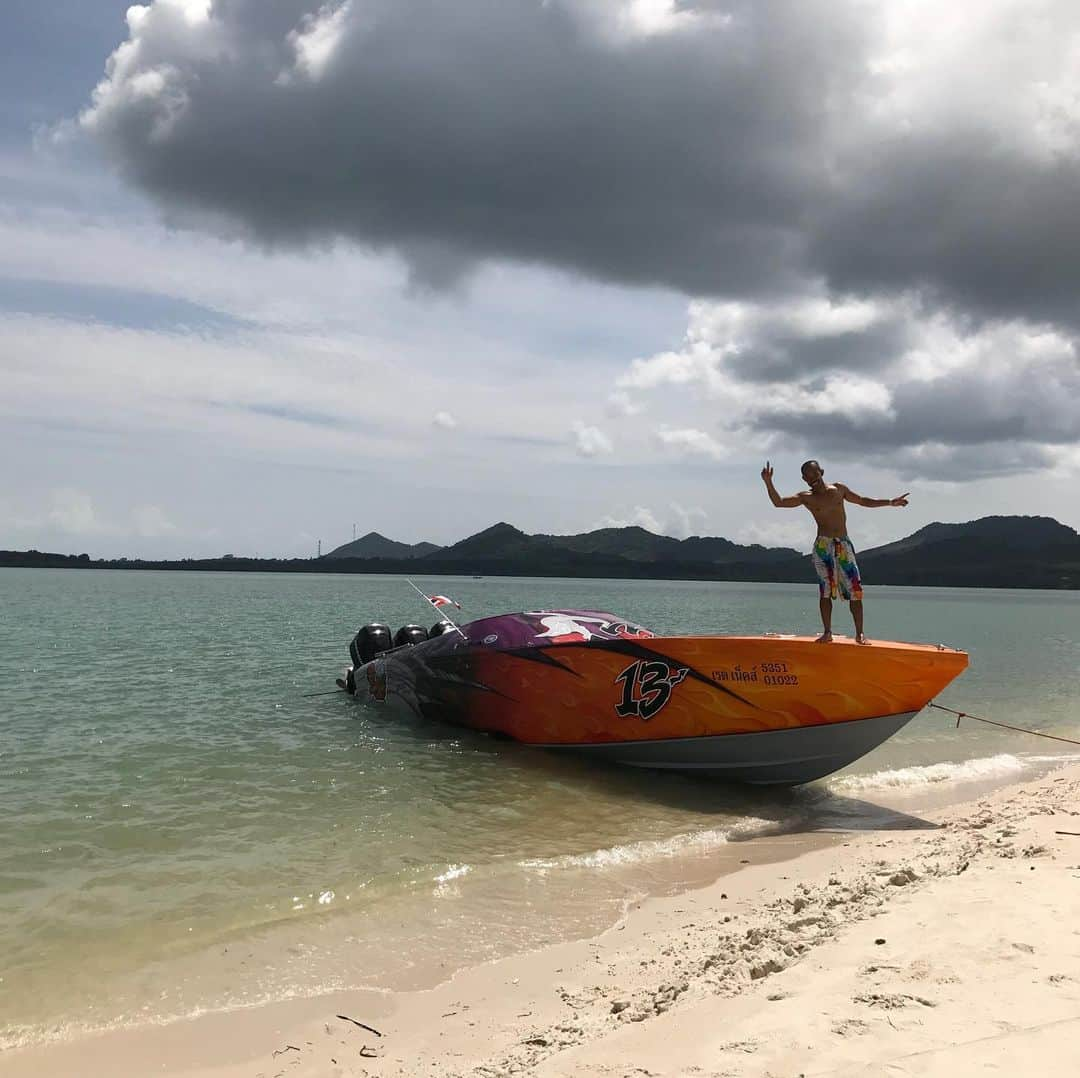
x=791 y=502
x=872 y=503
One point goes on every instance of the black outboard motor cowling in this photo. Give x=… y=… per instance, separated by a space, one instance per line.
x=368 y=642
x=410 y=634
x=440 y=628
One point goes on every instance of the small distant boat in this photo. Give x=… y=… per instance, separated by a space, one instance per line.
x=767 y=709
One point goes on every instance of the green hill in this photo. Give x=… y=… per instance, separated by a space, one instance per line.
x=374 y=545
x=639 y=544
x=998 y=552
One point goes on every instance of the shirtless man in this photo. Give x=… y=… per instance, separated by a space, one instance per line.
x=833 y=555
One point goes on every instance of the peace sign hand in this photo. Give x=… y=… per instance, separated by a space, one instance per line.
x=767 y=472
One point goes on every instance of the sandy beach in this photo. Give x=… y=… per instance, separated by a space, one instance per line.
x=948 y=946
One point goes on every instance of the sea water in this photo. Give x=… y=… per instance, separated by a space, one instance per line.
x=183 y=827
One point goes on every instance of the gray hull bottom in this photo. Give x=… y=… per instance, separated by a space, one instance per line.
x=774 y=757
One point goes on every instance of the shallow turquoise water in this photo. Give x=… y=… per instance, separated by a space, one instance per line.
x=167 y=792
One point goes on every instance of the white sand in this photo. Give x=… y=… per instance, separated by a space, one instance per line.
x=952 y=950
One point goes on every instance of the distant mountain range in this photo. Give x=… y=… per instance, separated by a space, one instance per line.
x=998 y=551
x=504 y=542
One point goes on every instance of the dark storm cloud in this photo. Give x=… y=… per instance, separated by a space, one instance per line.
x=781 y=356
x=987 y=418
x=948 y=463
x=494 y=129
x=978 y=229
x=934 y=461
x=733 y=153
x=971 y=407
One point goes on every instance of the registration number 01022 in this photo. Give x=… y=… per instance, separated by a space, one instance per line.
x=778 y=673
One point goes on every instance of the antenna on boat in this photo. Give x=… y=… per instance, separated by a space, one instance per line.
x=442 y=617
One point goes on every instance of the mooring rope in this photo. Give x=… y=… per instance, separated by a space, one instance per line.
x=1004 y=725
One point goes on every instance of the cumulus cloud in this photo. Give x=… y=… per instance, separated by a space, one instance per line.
x=621 y=404
x=73 y=512
x=444 y=420
x=640 y=517
x=151 y=522
x=783 y=531
x=317 y=40
x=736 y=150
x=775 y=341
x=591 y=441
x=686 y=521
x=945 y=399
x=690 y=442
x=680 y=521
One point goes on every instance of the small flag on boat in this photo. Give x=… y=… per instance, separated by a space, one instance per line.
x=443 y=600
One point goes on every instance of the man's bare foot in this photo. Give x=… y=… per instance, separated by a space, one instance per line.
x=860 y=638
x=825 y=638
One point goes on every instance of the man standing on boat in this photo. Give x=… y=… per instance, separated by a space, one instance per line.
x=833 y=554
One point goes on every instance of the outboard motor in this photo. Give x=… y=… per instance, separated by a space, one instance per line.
x=440 y=628
x=368 y=642
x=410 y=634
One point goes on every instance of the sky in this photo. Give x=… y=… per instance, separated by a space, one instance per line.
x=270 y=272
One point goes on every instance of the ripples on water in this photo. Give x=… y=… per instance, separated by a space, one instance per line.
x=172 y=802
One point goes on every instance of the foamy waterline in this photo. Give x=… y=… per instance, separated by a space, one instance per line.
x=633 y=853
x=1001 y=767
x=29 y=1035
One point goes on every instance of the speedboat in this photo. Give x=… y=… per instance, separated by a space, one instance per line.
x=766 y=709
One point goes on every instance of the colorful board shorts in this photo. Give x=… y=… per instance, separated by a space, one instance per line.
x=836 y=568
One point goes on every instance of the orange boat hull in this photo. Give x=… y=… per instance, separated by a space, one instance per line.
x=754 y=708
x=754 y=684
